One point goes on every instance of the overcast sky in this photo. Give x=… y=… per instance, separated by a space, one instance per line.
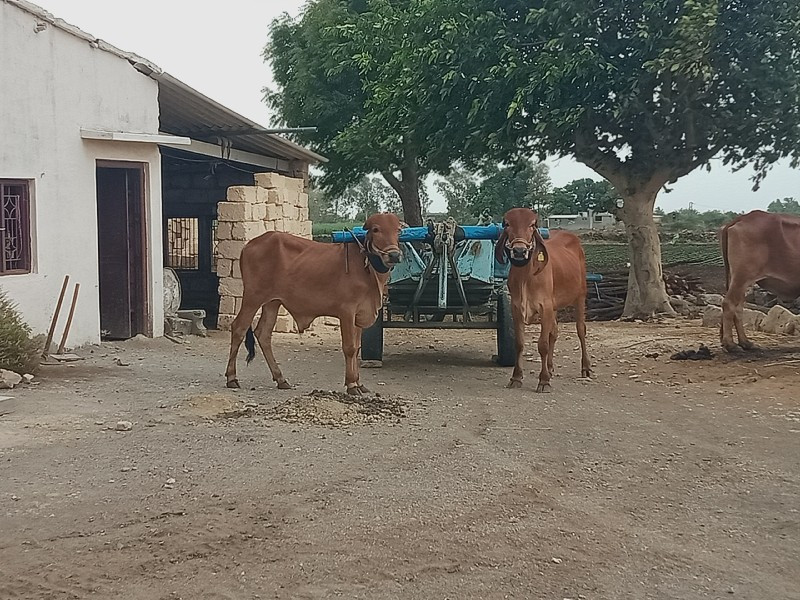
x=216 y=47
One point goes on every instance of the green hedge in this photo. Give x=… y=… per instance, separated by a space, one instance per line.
x=18 y=351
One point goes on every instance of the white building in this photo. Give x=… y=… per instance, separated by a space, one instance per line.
x=590 y=220
x=91 y=139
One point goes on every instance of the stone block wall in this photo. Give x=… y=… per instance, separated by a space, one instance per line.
x=274 y=203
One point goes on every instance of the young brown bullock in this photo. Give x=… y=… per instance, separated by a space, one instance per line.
x=544 y=277
x=311 y=280
x=762 y=248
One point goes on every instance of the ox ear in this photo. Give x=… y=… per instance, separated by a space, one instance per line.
x=500 y=247
x=541 y=257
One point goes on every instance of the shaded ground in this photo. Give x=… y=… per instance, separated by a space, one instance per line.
x=658 y=479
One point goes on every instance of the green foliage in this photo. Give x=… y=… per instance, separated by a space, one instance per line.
x=370 y=195
x=583 y=195
x=502 y=187
x=693 y=220
x=523 y=184
x=18 y=351
x=787 y=205
x=459 y=188
x=642 y=92
x=340 y=67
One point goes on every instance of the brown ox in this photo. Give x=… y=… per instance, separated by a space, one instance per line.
x=311 y=280
x=544 y=277
x=762 y=248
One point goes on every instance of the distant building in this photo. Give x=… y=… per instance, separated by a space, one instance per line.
x=590 y=220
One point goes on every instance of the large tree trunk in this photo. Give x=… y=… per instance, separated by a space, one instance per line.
x=647 y=296
x=407 y=189
x=409 y=196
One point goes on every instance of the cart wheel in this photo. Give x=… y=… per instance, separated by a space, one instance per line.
x=506 y=339
x=372 y=340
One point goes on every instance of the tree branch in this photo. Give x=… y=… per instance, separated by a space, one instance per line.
x=393 y=181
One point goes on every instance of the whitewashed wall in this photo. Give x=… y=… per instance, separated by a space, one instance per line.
x=54 y=85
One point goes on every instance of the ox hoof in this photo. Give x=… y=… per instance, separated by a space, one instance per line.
x=732 y=348
x=284 y=385
x=586 y=373
x=544 y=388
x=748 y=346
x=354 y=391
x=363 y=389
x=233 y=384
x=514 y=384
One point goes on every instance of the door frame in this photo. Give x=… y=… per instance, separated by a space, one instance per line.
x=145 y=261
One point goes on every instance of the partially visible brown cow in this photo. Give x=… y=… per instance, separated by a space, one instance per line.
x=311 y=280
x=762 y=248
x=544 y=277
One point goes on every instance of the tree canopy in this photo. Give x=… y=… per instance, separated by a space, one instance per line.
x=497 y=189
x=787 y=205
x=339 y=67
x=583 y=195
x=641 y=92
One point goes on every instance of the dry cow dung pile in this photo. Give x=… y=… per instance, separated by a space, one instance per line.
x=338 y=409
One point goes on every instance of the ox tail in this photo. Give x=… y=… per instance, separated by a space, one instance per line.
x=250 y=344
x=723 y=240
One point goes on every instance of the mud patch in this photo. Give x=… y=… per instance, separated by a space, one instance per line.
x=338 y=409
x=215 y=406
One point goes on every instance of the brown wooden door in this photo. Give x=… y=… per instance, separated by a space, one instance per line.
x=120 y=244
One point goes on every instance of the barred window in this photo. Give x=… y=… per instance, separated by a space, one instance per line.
x=183 y=243
x=15 y=227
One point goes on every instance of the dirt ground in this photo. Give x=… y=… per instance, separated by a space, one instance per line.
x=657 y=479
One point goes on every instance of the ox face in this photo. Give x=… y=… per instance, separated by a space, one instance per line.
x=383 y=241
x=521 y=240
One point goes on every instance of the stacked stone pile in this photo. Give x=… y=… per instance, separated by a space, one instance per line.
x=274 y=203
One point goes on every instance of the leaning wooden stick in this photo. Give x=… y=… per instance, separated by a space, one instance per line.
x=69 y=319
x=46 y=351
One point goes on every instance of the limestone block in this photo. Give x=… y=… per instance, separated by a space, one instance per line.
x=305 y=228
x=284 y=324
x=751 y=319
x=268 y=180
x=227 y=305
x=224 y=231
x=247 y=230
x=224 y=266
x=242 y=193
x=274 y=197
x=269 y=225
x=258 y=212
x=236 y=270
x=779 y=320
x=231 y=286
x=233 y=211
x=224 y=321
x=714 y=299
x=231 y=249
x=237 y=305
x=274 y=211
x=282 y=311
x=302 y=200
x=294 y=184
x=302 y=213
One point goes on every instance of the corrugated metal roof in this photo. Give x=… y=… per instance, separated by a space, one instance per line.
x=185 y=111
